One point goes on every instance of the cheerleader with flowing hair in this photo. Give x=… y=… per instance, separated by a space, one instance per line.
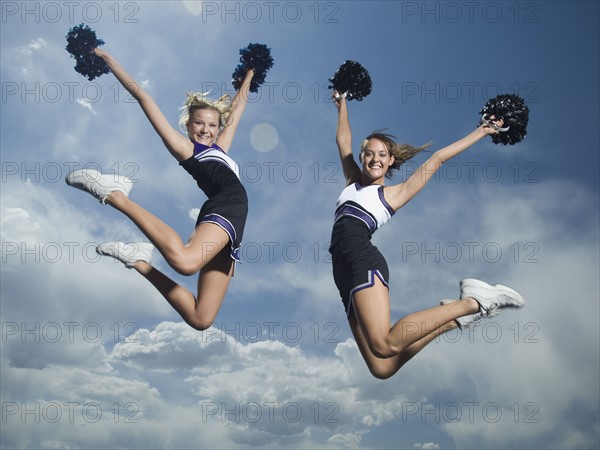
x=360 y=271
x=203 y=151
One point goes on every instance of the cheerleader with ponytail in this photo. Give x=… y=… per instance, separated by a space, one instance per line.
x=203 y=151
x=360 y=271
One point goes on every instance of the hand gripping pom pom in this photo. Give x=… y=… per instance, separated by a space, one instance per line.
x=81 y=40
x=353 y=79
x=257 y=57
x=515 y=114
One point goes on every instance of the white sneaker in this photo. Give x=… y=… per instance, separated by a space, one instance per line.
x=100 y=186
x=469 y=321
x=490 y=298
x=129 y=253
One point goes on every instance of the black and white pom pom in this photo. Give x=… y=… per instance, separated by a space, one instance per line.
x=257 y=57
x=515 y=114
x=352 y=79
x=81 y=40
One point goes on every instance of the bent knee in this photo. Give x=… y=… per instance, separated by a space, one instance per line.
x=383 y=369
x=381 y=374
x=184 y=265
x=200 y=325
x=187 y=270
x=383 y=353
x=383 y=349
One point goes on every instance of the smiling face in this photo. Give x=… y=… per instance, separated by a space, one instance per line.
x=203 y=126
x=376 y=160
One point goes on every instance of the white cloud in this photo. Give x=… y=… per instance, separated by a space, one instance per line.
x=86 y=104
x=35 y=44
x=348 y=440
x=426 y=445
x=193 y=213
x=145 y=83
x=253 y=394
x=51 y=241
x=18 y=224
x=21 y=60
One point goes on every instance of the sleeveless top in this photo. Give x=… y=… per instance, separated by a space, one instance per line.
x=215 y=173
x=215 y=153
x=365 y=203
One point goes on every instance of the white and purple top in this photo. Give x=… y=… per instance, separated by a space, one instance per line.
x=215 y=153
x=365 y=203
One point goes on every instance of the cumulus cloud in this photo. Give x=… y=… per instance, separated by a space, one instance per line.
x=47 y=242
x=253 y=394
x=267 y=389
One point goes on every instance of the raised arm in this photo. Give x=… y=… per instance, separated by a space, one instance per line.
x=177 y=144
x=398 y=195
x=238 y=106
x=343 y=139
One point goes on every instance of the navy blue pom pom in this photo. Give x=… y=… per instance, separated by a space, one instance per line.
x=353 y=79
x=515 y=113
x=257 y=57
x=81 y=40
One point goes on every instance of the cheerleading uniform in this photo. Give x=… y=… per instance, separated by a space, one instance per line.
x=218 y=176
x=360 y=211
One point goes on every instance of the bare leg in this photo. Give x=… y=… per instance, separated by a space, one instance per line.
x=204 y=244
x=378 y=341
x=386 y=367
x=198 y=312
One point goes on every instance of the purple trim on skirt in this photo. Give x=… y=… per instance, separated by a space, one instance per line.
x=366 y=285
x=225 y=225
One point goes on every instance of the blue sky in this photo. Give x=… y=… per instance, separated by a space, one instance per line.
x=93 y=357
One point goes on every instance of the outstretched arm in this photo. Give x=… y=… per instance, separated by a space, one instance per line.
x=179 y=146
x=238 y=105
x=343 y=139
x=400 y=194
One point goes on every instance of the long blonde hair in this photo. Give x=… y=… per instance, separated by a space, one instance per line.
x=400 y=152
x=199 y=100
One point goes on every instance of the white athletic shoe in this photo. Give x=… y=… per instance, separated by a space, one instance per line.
x=467 y=322
x=100 y=186
x=490 y=298
x=129 y=253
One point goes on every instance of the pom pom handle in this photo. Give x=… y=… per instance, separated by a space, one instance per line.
x=511 y=109
x=491 y=124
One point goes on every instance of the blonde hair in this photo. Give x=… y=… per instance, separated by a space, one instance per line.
x=199 y=100
x=400 y=152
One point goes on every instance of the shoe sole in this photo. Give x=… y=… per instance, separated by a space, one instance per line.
x=106 y=248
x=79 y=178
x=498 y=288
x=512 y=293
